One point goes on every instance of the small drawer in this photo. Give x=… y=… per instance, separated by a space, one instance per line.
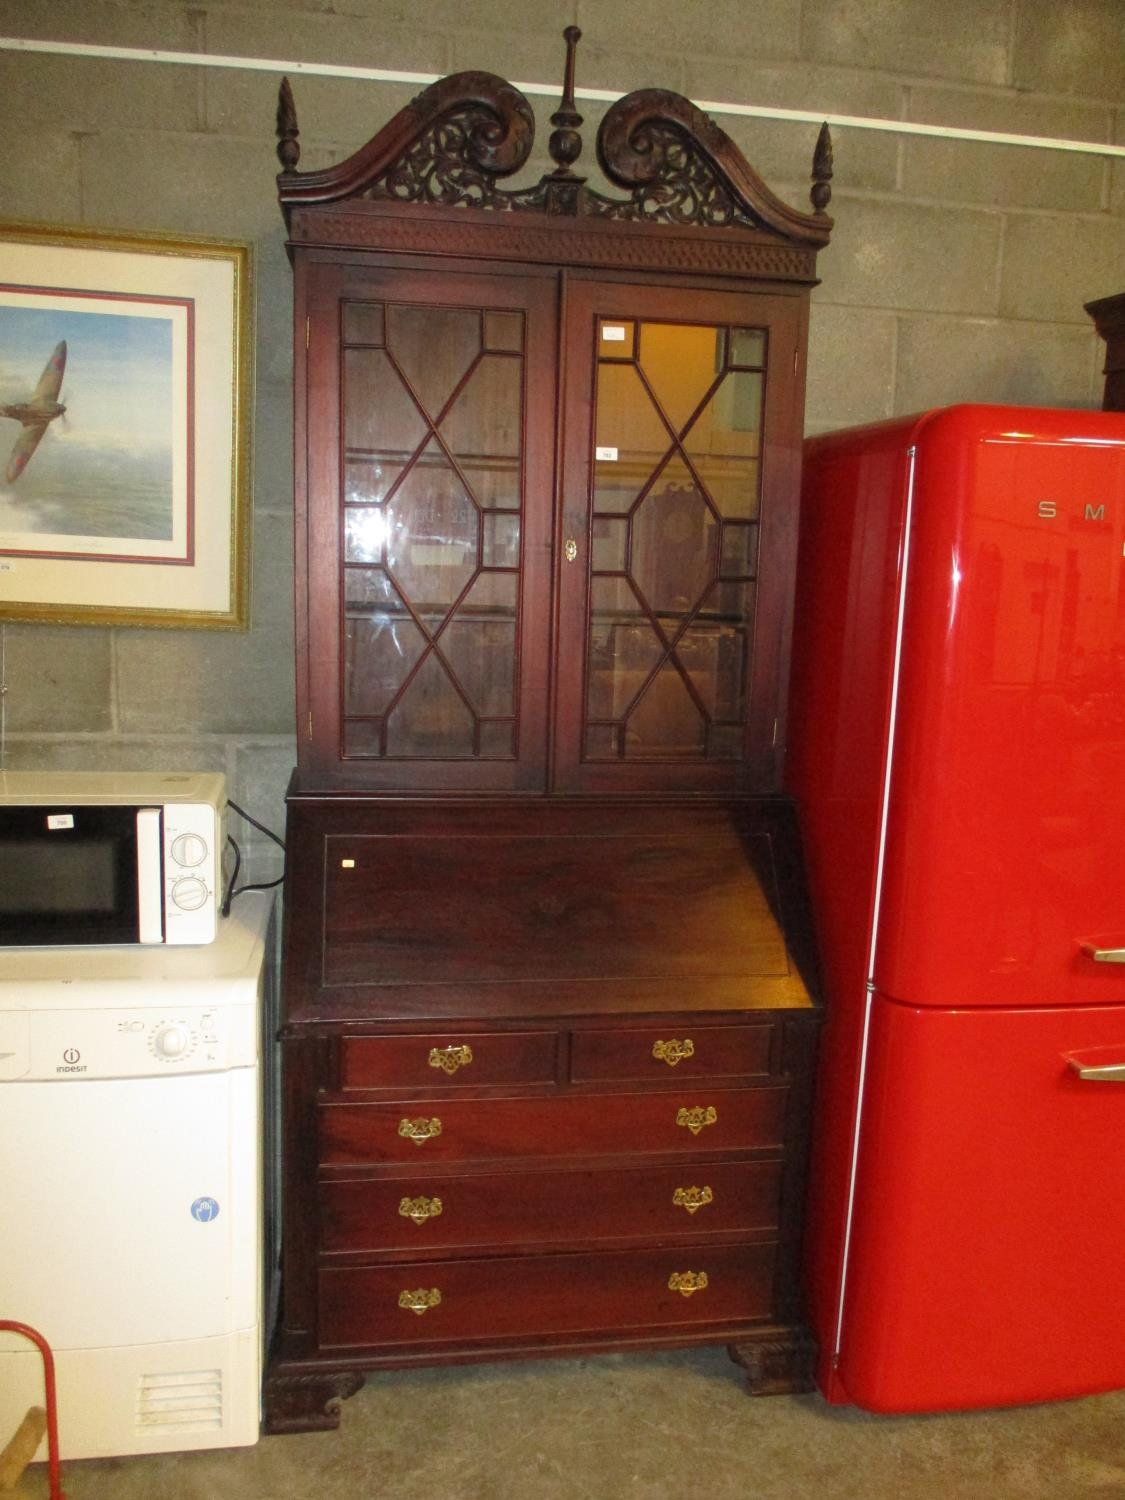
x=687 y=1120
x=519 y=1298
x=671 y=1052
x=543 y=1209
x=448 y=1059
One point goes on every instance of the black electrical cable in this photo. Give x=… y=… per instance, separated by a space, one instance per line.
x=234 y=890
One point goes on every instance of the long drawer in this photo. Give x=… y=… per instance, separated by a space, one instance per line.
x=403 y=1213
x=575 y=1125
x=519 y=1297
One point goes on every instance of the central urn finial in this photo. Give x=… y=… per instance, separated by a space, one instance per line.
x=565 y=144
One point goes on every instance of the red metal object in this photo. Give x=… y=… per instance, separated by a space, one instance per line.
x=54 y=1477
x=958 y=747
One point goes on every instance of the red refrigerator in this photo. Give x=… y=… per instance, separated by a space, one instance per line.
x=957 y=744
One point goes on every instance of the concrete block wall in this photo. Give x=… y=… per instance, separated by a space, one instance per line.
x=957 y=271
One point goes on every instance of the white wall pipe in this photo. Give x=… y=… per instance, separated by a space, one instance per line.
x=711 y=106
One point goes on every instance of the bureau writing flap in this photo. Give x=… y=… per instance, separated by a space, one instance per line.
x=658 y=901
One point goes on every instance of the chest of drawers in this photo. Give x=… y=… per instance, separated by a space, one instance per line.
x=596 y=1144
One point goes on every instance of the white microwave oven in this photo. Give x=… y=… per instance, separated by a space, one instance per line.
x=110 y=857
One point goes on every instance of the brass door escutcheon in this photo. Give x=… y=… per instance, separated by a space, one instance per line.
x=419 y=1301
x=570 y=550
x=693 y=1198
x=687 y=1282
x=449 y=1059
x=419 y=1131
x=673 y=1052
x=421 y=1209
x=697 y=1117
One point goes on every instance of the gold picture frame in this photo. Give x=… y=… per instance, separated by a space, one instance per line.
x=126 y=361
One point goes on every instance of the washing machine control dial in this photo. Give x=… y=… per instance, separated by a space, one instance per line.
x=171 y=1041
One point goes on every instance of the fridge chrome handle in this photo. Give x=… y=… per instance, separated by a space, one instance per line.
x=1104 y=955
x=1098 y=1072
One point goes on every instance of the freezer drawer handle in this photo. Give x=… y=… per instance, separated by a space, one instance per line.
x=1104 y=955
x=1103 y=1073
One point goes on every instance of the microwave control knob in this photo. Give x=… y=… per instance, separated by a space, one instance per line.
x=189 y=849
x=171 y=1041
x=190 y=893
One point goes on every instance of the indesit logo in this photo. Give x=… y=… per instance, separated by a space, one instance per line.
x=1048 y=511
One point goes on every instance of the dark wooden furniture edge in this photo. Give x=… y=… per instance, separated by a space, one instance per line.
x=306 y=1395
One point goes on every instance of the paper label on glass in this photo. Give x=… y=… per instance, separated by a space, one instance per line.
x=436 y=554
x=613 y=333
x=605 y=455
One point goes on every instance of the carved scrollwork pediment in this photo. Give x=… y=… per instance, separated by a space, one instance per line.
x=453 y=144
x=681 y=168
x=449 y=145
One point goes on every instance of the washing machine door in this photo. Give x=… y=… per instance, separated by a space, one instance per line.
x=131 y=1208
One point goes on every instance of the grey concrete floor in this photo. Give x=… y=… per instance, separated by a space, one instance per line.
x=636 y=1427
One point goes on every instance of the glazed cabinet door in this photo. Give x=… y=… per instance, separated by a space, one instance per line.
x=684 y=413
x=429 y=409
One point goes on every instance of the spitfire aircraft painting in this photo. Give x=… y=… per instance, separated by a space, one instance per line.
x=36 y=414
x=89 y=468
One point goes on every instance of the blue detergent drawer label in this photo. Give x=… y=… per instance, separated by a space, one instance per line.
x=205 y=1209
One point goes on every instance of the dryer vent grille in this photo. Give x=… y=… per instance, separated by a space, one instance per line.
x=183 y=1400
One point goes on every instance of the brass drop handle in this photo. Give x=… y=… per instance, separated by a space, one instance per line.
x=687 y=1282
x=570 y=549
x=697 y=1117
x=692 y=1199
x=673 y=1052
x=419 y=1131
x=421 y=1300
x=449 y=1059
x=420 y=1209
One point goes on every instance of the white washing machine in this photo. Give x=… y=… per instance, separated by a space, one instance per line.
x=133 y=1153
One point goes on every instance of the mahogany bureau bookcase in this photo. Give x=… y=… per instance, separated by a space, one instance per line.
x=550 y=989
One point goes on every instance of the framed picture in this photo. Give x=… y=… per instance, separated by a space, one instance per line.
x=124 y=428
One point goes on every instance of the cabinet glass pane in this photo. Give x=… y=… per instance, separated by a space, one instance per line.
x=723 y=444
x=381 y=642
x=432 y=528
x=680 y=363
x=673 y=539
x=362 y=322
x=433 y=348
x=380 y=419
x=630 y=442
x=430 y=719
x=432 y=532
x=748 y=348
x=479 y=644
x=615 y=338
x=503 y=330
x=666 y=722
x=674 y=554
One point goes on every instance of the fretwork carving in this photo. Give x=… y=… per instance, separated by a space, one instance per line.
x=450 y=146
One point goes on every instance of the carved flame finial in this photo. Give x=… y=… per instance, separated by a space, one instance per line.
x=288 y=151
x=565 y=144
x=821 y=193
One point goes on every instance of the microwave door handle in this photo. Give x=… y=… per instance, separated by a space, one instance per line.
x=150 y=870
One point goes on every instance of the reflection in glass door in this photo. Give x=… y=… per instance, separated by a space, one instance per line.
x=674 y=539
x=432 y=401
